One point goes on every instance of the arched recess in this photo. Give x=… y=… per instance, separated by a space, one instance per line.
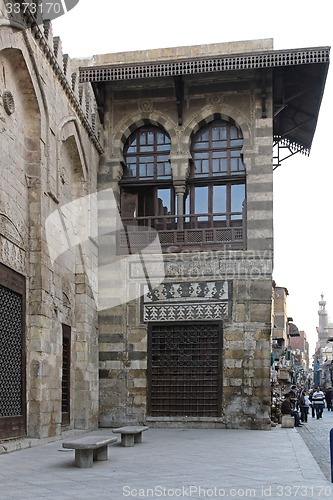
x=208 y=115
x=74 y=186
x=126 y=127
x=69 y=140
x=72 y=173
x=25 y=120
x=21 y=196
x=215 y=196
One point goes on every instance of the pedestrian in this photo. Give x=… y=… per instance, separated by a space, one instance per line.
x=287 y=409
x=311 y=404
x=328 y=398
x=304 y=403
x=294 y=397
x=318 y=400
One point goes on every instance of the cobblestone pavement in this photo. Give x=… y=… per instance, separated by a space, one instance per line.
x=316 y=435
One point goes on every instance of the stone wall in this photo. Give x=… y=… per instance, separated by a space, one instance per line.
x=49 y=154
x=246 y=325
x=51 y=145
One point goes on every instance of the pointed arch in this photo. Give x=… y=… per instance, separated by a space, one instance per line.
x=209 y=114
x=26 y=114
x=68 y=137
x=126 y=128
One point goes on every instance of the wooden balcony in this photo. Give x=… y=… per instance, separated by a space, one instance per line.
x=177 y=234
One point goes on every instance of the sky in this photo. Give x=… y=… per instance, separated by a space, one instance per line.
x=303 y=186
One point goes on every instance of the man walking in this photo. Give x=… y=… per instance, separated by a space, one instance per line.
x=318 y=401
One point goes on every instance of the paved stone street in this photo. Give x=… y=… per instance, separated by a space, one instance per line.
x=316 y=435
x=173 y=463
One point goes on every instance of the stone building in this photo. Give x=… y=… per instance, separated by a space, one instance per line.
x=175 y=294
x=300 y=353
x=49 y=157
x=189 y=134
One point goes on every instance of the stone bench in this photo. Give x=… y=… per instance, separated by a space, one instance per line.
x=89 y=448
x=287 y=421
x=130 y=434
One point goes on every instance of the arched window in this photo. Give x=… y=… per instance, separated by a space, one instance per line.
x=147 y=195
x=216 y=186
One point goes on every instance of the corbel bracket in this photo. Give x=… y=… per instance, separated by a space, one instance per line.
x=179 y=91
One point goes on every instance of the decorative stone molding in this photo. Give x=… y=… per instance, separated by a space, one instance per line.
x=145 y=105
x=216 y=99
x=9 y=231
x=197 y=300
x=8 y=102
x=183 y=291
x=12 y=256
x=185 y=312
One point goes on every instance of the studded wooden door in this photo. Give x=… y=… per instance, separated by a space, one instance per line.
x=184 y=370
x=12 y=354
x=66 y=374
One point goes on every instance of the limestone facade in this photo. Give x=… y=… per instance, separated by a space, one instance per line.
x=244 y=310
x=89 y=308
x=49 y=157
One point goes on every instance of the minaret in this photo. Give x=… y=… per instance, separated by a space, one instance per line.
x=323 y=333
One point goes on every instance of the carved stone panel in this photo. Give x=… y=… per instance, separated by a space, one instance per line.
x=187 y=301
x=12 y=247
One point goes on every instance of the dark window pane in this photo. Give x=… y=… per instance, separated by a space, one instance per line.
x=205 y=167
x=223 y=132
x=234 y=133
x=167 y=169
x=219 y=144
x=142 y=138
x=143 y=170
x=187 y=204
x=237 y=197
x=160 y=138
x=150 y=170
x=164 y=201
x=219 y=201
x=163 y=169
x=145 y=149
x=163 y=147
x=220 y=138
x=202 y=145
x=215 y=134
x=200 y=155
x=204 y=135
x=236 y=142
x=149 y=140
x=216 y=165
x=132 y=171
x=201 y=201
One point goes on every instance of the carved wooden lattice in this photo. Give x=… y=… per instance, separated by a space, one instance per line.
x=184 y=370
x=10 y=353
